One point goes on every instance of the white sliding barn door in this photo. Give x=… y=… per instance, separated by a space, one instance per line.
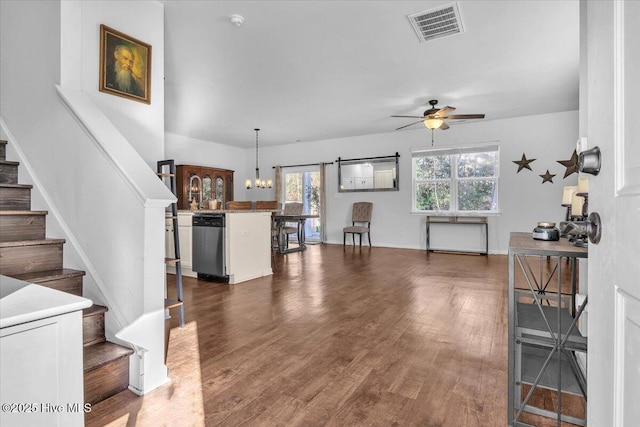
x=613 y=92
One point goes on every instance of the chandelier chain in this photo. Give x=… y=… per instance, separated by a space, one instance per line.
x=258 y=182
x=257 y=168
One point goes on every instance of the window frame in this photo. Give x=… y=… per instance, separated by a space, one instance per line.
x=454 y=179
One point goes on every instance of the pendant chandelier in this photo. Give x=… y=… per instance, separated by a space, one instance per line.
x=258 y=182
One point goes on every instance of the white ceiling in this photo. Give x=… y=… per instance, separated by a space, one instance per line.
x=315 y=70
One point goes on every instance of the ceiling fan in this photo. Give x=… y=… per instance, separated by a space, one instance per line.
x=434 y=118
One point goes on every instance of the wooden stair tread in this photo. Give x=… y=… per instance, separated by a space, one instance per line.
x=29 y=186
x=172 y=303
x=164 y=174
x=100 y=354
x=171 y=260
x=46 y=276
x=9 y=163
x=9 y=213
x=94 y=309
x=31 y=243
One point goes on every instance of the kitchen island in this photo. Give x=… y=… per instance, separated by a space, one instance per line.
x=247 y=243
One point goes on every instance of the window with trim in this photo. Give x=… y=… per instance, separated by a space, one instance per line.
x=302 y=184
x=453 y=181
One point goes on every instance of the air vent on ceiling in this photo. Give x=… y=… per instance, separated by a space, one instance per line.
x=434 y=23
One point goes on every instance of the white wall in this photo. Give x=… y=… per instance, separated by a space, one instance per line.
x=523 y=199
x=191 y=151
x=141 y=124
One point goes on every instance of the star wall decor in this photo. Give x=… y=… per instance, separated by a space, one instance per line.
x=547 y=177
x=571 y=164
x=523 y=163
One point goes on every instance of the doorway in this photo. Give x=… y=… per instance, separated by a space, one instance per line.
x=303 y=184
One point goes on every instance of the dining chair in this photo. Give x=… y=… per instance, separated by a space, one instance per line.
x=267 y=205
x=273 y=206
x=360 y=215
x=292 y=208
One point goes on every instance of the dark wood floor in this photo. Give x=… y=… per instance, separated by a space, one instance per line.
x=337 y=337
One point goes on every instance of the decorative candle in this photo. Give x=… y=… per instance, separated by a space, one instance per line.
x=567 y=194
x=576 y=205
x=583 y=184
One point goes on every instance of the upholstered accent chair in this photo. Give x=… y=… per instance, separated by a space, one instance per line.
x=292 y=208
x=360 y=222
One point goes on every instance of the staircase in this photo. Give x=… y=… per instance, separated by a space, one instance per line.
x=26 y=254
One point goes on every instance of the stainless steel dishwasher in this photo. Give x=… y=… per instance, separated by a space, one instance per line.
x=207 y=245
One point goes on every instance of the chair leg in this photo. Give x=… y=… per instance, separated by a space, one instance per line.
x=360 y=240
x=344 y=239
x=369 y=238
x=274 y=263
x=353 y=238
x=301 y=237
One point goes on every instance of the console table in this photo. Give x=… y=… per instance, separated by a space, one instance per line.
x=468 y=220
x=543 y=337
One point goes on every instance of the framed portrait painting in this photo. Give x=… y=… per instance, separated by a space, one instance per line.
x=125 y=66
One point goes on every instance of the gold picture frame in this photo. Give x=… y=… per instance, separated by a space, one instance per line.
x=125 y=65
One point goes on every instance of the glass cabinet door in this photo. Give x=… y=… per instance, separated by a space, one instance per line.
x=207 y=189
x=219 y=189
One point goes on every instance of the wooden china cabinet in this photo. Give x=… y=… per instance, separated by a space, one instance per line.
x=216 y=184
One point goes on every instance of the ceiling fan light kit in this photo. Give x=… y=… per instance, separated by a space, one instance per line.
x=433 y=123
x=434 y=118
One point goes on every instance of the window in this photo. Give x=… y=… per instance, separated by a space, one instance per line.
x=456 y=180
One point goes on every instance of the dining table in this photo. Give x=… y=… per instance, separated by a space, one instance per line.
x=280 y=219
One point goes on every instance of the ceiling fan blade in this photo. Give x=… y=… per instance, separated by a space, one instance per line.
x=444 y=126
x=463 y=116
x=410 y=117
x=402 y=127
x=443 y=111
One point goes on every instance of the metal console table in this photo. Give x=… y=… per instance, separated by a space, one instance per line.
x=468 y=220
x=543 y=334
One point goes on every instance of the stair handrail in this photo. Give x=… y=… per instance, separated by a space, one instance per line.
x=116 y=149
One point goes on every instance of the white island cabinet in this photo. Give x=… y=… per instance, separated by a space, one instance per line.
x=247 y=244
x=41 y=381
x=184 y=233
